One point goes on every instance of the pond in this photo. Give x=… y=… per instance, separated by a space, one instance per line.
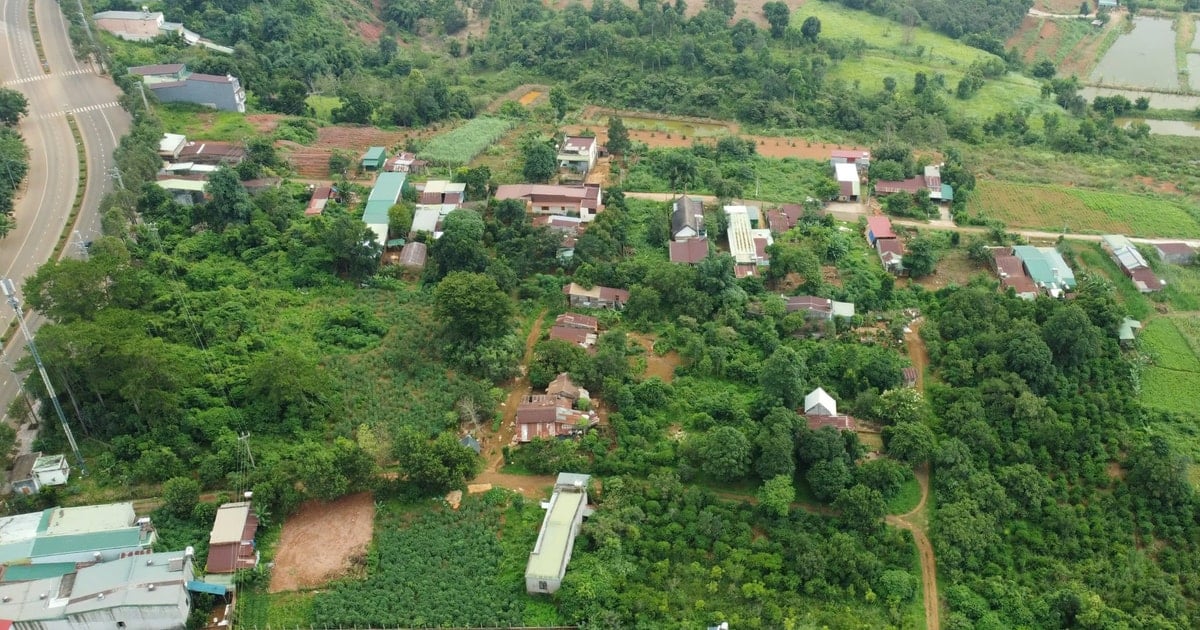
x=1190 y=128
x=1143 y=57
x=1158 y=100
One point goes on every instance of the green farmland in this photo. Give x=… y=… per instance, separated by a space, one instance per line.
x=1171 y=345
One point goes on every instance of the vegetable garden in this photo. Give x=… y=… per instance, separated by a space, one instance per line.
x=461 y=145
x=1054 y=209
x=1171 y=346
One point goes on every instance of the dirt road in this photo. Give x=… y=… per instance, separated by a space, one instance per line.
x=915 y=522
x=916 y=351
x=494 y=443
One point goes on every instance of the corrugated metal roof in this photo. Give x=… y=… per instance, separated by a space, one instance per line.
x=45 y=546
x=229 y=523
x=388 y=186
x=551 y=552
x=26 y=572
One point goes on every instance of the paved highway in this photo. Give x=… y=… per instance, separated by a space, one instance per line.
x=69 y=88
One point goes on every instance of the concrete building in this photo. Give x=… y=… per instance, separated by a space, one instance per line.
x=860 y=158
x=1176 y=253
x=145 y=25
x=384 y=195
x=74 y=534
x=747 y=245
x=138 y=592
x=231 y=541
x=595 y=297
x=818 y=307
x=849 y=181
x=1049 y=271
x=174 y=83
x=577 y=154
x=552 y=551
x=583 y=201
x=687 y=219
x=33 y=471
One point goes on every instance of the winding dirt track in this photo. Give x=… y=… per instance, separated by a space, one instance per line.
x=924 y=550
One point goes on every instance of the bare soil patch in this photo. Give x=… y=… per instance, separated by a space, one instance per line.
x=661 y=366
x=767 y=146
x=953 y=268
x=322 y=541
x=369 y=31
x=518 y=94
x=312 y=162
x=264 y=123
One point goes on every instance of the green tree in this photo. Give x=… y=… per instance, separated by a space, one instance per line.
x=477 y=180
x=862 y=508
x=355 y=108
x=180 y=496
x=828 y=478
x=400 y=218
x=776 y=449
x=461 y=246
x=897 y=406
x=471 y=307
x=725 y=454
x=911 y=442
x=618 y=136
x=921 y=258
x=228 y=202
x=540 y=162
x=811 y=29
x=778 y=15
x=783 y=378
x=13 y=106
x=776 y=495
x=558 y=100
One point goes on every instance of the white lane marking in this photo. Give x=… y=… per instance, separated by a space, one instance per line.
x=42 y=77
x=78 y=110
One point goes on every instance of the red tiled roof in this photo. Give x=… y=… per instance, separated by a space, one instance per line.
x=809 y=303
x=909 y=374
x=1178 y=249
x=841 y=423
x=745 y=270
x=910 y=185
x=575 y=320
x=211 y=78
x=688 y=252
x=1145 y=278
x=614 y=295
x=536 y=412
x=573 y=335
x=578 y=143
x=1020 y=284
x=586 y=196
x=881 y=227
x=889 y=246
x=414 y=254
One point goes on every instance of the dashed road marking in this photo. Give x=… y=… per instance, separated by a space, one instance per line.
x=42 y=77
x=79 y=110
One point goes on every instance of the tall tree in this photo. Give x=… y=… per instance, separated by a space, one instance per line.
x=778 y=15
x=13 y=106
x=558 y=100
x=228 y=202
x=540 y=162
x=471 y=307
x=618 y=136
x=776 y=495
x=811 y=29
x=783 y=376
x=921 y=257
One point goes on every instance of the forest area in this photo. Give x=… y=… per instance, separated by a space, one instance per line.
x=1057 y=501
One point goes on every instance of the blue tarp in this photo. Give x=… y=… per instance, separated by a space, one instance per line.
x=196 y=586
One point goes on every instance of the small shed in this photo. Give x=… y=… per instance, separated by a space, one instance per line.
x=470 y=442
x=1176 y=253
x=819 y=402
x=374 y=159
x=1128 y=331
x=413 y=255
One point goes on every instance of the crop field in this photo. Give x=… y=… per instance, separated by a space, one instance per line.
x=1171 y=345
x=1081 y=211
x=461 y=145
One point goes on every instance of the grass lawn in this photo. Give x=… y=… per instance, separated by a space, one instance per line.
x=1183 y=286
x=195 y=121
x=907 y=499
x=1171 y=344
x=323 y=106
x=838 y=22
x=1058 y=208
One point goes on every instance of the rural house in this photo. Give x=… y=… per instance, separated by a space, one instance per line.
x=231 y=542
x=174 y=83
x=318 y=201
x=575 y=320
x=441 y=192
x=583 y=201
x=1047 y=268
x=1176 y=253
x=689 y=252
x=405 y=163
x=32 y=471
x=1127 y=332
x=595 y=297
x=573 y=328
x=569 y=227
x=818 y=307
x=62 y=536
x=384 y=195
x=747 y=245
x=552 y=552
x=140 y=26
x=374 y=159
x=849 y=182
x=144 y=592
x=585 y=339
x=687 y=219
x=820 y=410
x=185 y=191
x=564 y=389
x=171 y=145
x=210 y=152
x=931 y=181
x=1132 y=263
x=577 y=154
x=878 y=227
x=785 y=217
x=1012 y=274
x=861 y=159
x=909 y=376
x=891 y=254
x=547 y=417
x=413 y=256
x=1106 y=4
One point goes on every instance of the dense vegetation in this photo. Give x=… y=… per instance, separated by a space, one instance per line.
x=1035 y=525
x=14 y=156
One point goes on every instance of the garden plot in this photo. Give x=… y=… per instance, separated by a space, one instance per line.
x=1171 y=344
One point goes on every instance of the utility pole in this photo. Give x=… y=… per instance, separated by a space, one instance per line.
x=10 y=292
x=115 y=172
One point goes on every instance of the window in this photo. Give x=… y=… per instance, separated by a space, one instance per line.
x=541 y=587
x=120 y=624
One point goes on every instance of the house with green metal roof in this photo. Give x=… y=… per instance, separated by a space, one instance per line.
x=1049 y=271
x=374 y=159
x=385 y=194
x=145 y=591
x=552 y=551
x=74 y=534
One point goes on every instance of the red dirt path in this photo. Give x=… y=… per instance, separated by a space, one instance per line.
x=321 y=542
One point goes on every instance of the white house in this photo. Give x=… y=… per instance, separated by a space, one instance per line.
x=577 y=154
x=849 y=181
x=552 y=551
x=33 y=471
x=818 y=402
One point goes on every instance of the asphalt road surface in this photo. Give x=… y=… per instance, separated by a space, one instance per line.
x=63 y=87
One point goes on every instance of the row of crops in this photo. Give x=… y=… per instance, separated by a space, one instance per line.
x=461 y=145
